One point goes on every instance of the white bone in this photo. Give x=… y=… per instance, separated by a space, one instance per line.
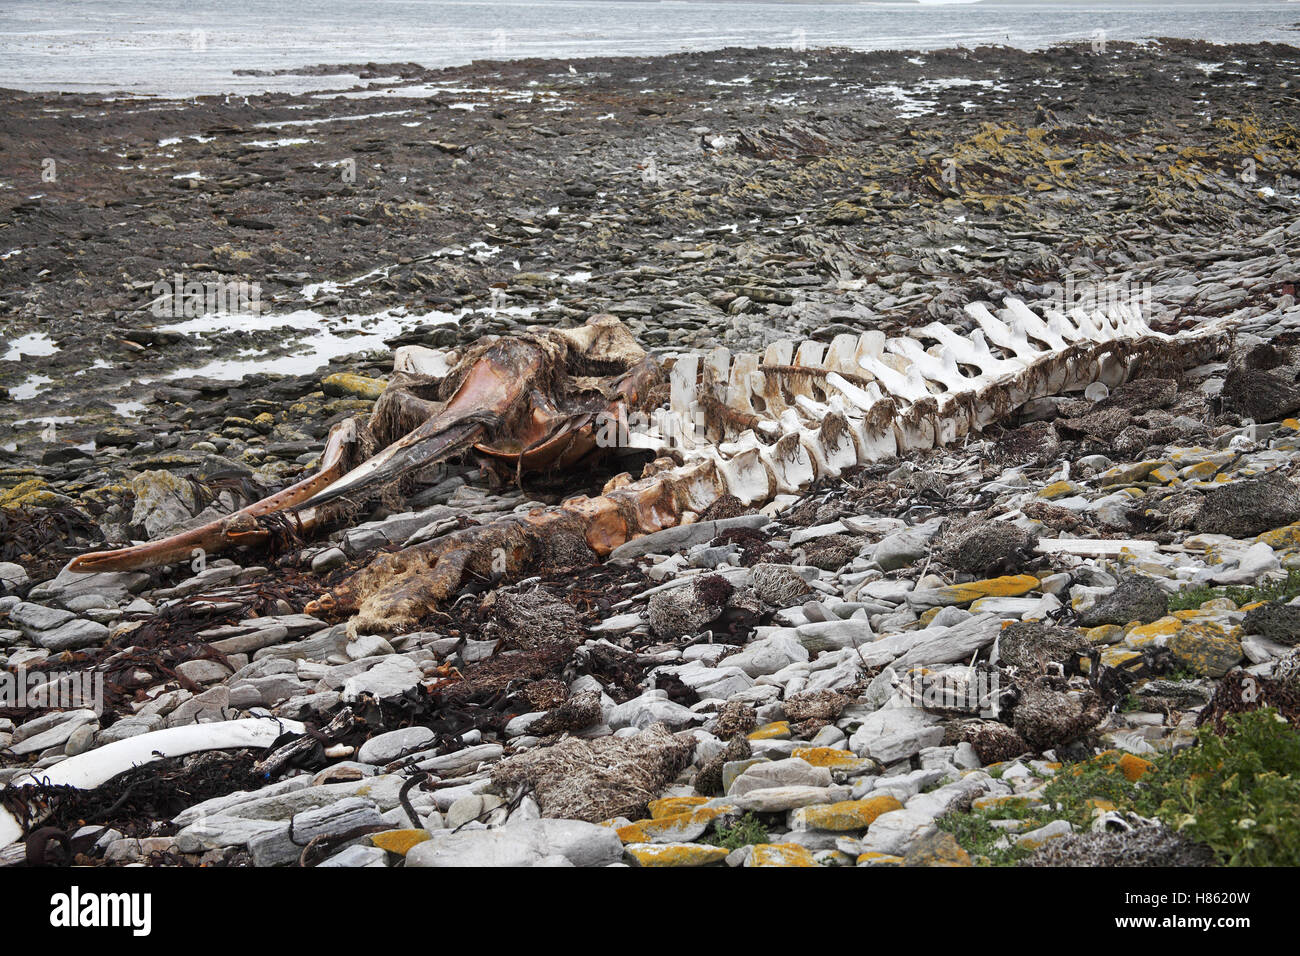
x=88 y=770
x=789 y=463
x=743 y=473
x=1008 y=337
x=418 y=360
x=1015 y=309
x=908 y=387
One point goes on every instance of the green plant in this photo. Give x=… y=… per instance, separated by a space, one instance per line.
x=1237 y=792
x=748 y=829
x=1131 y=704
x=1190 y=599
x=979 y=834
x=1077 y=789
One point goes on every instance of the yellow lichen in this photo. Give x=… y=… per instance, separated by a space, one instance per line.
x=1134 y=768
x=671 y=806
x=777 y=730
x=399 y=841
x=830 y=757
x=845 y=815
x=1011 y=585
x=676 y=854
x=780 y=854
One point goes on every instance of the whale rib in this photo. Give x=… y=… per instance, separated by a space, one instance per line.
x=748 y=425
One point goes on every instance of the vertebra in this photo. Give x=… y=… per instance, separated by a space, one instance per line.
x=745 y=425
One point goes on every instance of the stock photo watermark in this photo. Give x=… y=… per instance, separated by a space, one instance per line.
x=1089 y=296
x=179 y=298
x=971 y=692
x=55 y=690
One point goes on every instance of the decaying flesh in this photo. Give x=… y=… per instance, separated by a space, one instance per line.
x=746 y=425
x=526 y=403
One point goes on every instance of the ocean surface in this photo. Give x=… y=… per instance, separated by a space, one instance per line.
x=188 y=47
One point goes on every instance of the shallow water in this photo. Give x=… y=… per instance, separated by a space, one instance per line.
x=169 y=48
x=33 y=343
x=324 y=338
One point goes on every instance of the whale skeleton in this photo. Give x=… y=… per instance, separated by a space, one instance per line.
x=753 y=426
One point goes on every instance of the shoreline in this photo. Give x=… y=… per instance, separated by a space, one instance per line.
x=257 y=193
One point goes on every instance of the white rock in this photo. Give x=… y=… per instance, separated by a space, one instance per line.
x=779 y=799
x=896 y=732
x=1052 y=831
x=387 y=747
x=357 y=856
x=451 y=764
x=792 y=772
x=476 y=848
x=768 y=655
x=390 y=677
x=651 y=707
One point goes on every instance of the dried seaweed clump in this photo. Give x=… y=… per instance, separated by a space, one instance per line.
x=1030 y=646
x=1143 y=846
x=1262 y=384
x=1238 y=692
x=994 y=742
x=734 y=717
x=778 y=585
x=812 y=710
x=726 y=506
x=832 y=552
x=577 y=713
x=1046 y=717
x=599 y=779
x=1136 y=598
x=708 y=781
x=685 y=610
x=984 y=547
x=531 y=620
x=1250 y=506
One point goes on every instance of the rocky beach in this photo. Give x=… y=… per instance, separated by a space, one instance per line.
x=1067 y=640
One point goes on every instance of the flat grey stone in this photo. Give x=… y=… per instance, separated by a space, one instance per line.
x=130 y=726
x=203 y=671
x=895 y=733
x=900 y=549
x=768 y=655
x=835 y=635
x=958 y=643
x=318 y=647
x=47 y=722
x=357 y=856
x=32 y=619
x=210 y=706
x=385 y=748
x=780 y=799
x=328 y=560
x=389 y=678
x=650 y=708
x=582 y=844
x=476 y=848
x=114 y=585
x=394 y=529
x=449 y=765
x=680 y=537
x=281 y=846
x=218 y=805
x=12 y=576
x=74 y=634
x=791 y=772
